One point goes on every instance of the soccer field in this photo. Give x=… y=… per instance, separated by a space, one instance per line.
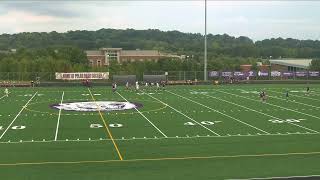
x=182 y=132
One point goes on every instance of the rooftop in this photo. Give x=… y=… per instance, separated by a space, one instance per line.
x=299 y=63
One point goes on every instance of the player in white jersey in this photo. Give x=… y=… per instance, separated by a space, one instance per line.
x=6 y=92
x=158 y=86
x=127 y=85
x=137 y=85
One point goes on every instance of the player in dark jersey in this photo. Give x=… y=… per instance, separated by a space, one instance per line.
x=308 y=90
x=261 y=95
x=114 y=87
x=287 y=95
x=163 y=85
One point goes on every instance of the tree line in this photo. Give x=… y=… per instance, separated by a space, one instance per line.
x=64 y=52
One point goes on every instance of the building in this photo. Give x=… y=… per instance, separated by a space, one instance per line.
x=103 y=56
x=260 y=67
x=290 y=64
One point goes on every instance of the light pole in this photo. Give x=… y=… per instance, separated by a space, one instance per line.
x=205 y=41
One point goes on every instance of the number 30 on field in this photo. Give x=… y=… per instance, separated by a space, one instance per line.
x=14 y=127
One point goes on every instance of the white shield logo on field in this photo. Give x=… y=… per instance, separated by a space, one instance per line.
x=96 y=106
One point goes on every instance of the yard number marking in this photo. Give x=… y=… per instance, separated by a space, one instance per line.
x=116 y=125
x=202 y=122
x=286 y=120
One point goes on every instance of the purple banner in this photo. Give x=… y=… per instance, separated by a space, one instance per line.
x=238 y=73
x=263 y=73
x=214 y=74
x=226 y=74
x=301 y=73
x=314 y=73
x=252 y=73
x=288 y=74
x=275 y=73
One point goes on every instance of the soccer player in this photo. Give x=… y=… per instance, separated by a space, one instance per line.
x=287 y=95
x=261 y=96
x=308 y=90
x=6 y=92
x=114 y=87
x=127 y=85
x=146 y=86
x=32 y=84
x=137 y=85
x=163 y=85
x=158 y=86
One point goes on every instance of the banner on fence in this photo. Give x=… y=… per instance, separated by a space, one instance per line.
x=82 y=75
x=275 y=73
x=301 y=73
x=226 y=74
x=314 y=73
x=263 y=73
x=214 y=74
x=287 y=74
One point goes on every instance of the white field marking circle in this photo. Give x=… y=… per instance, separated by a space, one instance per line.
x=96 y=106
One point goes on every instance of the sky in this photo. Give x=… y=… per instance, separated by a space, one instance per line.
x=255 y=19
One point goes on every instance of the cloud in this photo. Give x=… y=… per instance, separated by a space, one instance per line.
x=47 y=8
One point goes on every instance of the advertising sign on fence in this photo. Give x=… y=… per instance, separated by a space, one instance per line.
x=226 y=74
x=287 y=74
x=252 y=74
x=238 y=73
x=263 y=73
x=314 y=73
x=214 y=74
x=301 y=73
x=82 y=75
x=275 y=73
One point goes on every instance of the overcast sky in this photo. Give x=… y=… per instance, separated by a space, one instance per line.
x=255 y=19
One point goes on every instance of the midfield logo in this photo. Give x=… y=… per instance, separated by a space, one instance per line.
x=95 y=106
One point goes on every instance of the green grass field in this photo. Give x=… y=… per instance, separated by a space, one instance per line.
x=183 y=132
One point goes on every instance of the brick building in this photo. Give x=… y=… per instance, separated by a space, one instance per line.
x=103 y=56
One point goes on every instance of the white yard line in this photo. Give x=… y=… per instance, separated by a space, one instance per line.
x=261 y=113
x=296 y=95
x=281 y=177
x=157 y=138
x=295 y=102
x=183 y=114
x=3 y=96
x=270 y=104
x=220 y=113
x=58 y=122
x=144 y=117
x=23 y=107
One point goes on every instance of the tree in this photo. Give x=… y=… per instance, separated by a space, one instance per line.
x=315 y=65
